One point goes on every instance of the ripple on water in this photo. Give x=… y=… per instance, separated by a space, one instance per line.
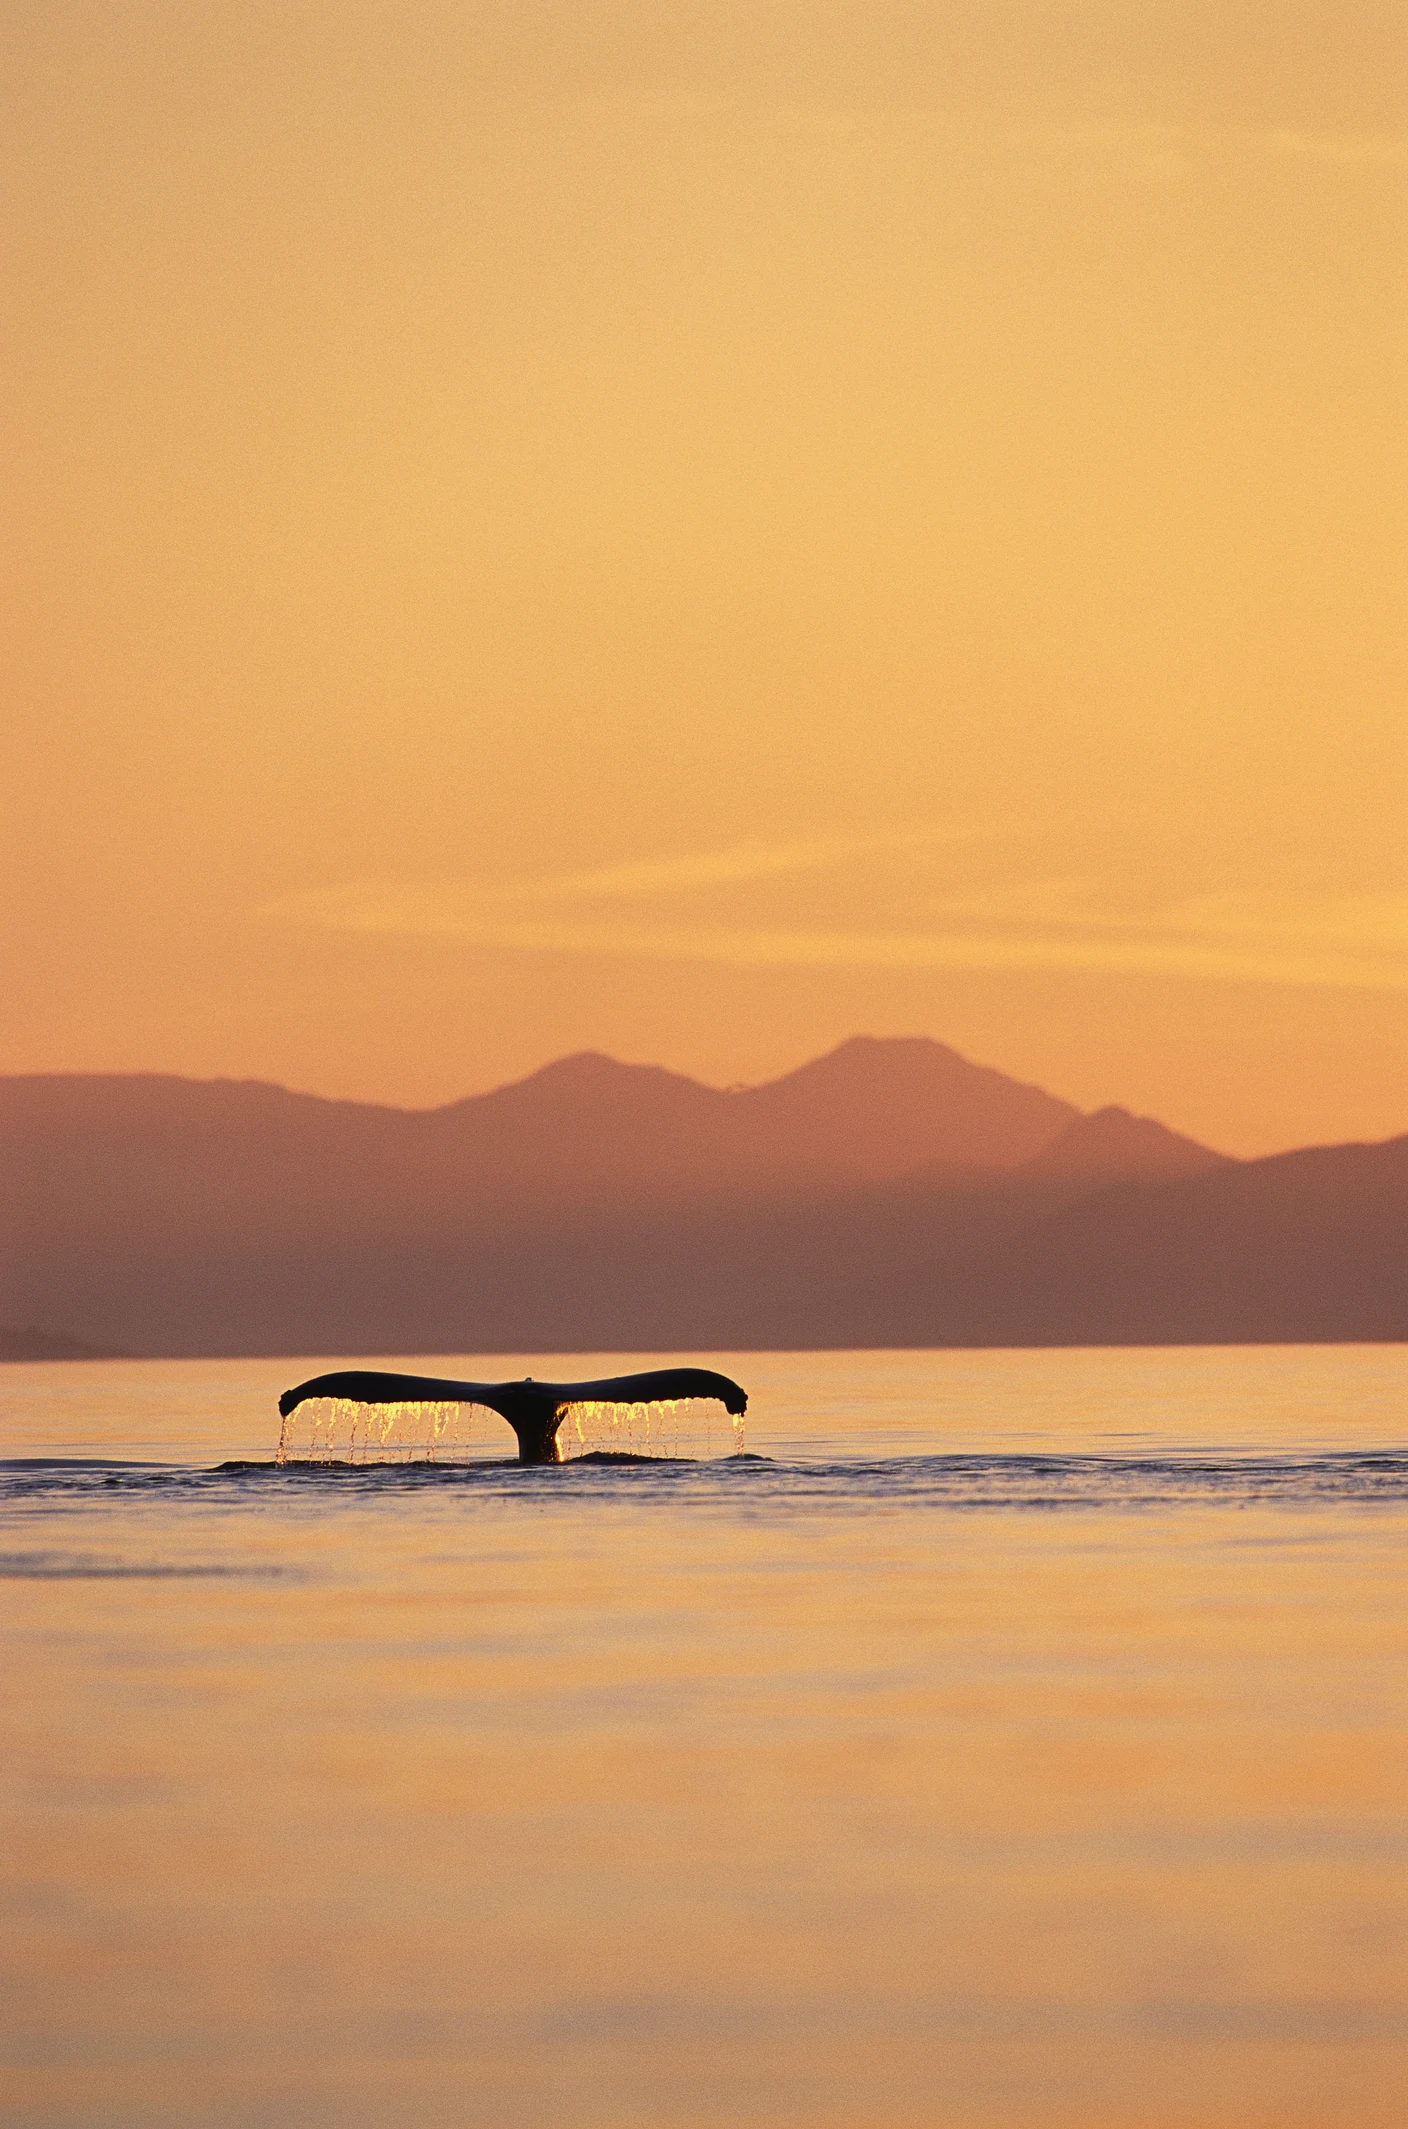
x=1036 y=1482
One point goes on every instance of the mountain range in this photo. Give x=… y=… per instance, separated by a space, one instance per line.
x=890 y=1193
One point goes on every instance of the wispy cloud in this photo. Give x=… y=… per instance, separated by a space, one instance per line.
x=1345 y=941
x=446 y=907
x=642 y=878
x=1357 y=942
x=454 y=908
x=1169 y=146
x=1352 y=150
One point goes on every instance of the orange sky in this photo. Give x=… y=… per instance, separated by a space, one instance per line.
x=699 y=530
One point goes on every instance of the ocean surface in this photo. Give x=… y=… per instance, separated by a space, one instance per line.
x=1005 y=1738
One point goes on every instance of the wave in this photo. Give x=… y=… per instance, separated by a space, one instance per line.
x=99 y=1567
x=753 y=1483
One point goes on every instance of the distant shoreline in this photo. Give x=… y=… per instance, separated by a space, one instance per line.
x=32 y=1344
x=75 y=1350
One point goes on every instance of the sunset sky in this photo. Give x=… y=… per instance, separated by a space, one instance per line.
x=700 y=529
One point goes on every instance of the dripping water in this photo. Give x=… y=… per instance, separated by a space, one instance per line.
x=342 y=1430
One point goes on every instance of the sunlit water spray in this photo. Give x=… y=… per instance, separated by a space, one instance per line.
x=327 y=1430
x=669 y=1426
x=340 y=1430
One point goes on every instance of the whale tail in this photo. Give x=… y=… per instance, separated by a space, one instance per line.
x=536 y=1411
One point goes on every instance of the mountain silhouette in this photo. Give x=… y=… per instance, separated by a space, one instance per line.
x=580 y=1127
x=1113 y=1146
x=32 y=1344
x=888 y=1193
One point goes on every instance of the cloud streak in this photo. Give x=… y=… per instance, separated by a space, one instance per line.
x=646 y=877
x=1346 y=942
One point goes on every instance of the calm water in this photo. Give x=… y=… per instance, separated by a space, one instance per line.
x=1013 y=1738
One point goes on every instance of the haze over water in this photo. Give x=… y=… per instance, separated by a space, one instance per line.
x=1019 y=1739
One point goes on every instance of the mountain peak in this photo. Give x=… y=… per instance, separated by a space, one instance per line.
x=884 y=1105
x=589 y=1068
x=1114 y=1145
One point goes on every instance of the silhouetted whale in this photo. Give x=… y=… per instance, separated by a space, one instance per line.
x=534 y=1410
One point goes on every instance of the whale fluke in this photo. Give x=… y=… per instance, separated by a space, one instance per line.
x=534 y=1410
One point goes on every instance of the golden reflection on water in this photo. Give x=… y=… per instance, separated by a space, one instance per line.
x=630 y=1806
